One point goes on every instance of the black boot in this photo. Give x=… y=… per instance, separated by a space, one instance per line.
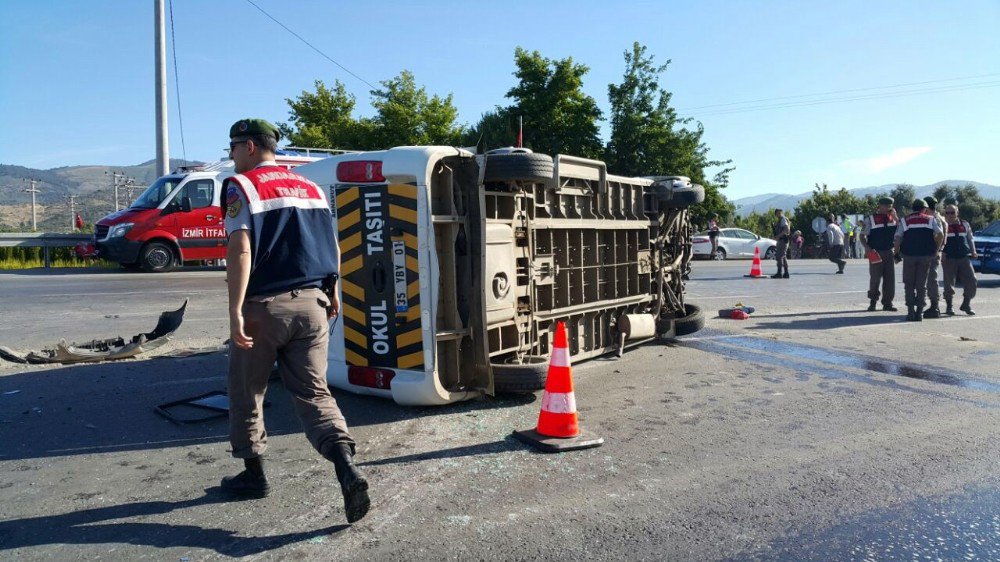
x=909 y=313
x=871 y=306
x=933 y=311
x=251 y=483
x=777 y=275
x=352 y=482
x=918 y=313
x=948 y=308
x=889 y=308
x=785 y=274
x=967 y=307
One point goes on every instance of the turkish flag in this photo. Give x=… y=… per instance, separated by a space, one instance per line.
x=79 y=221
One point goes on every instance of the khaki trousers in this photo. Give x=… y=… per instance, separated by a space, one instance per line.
x=932 y=279
x=961 y=269
x=883 y=273
x=291 y=327
x=915 y=273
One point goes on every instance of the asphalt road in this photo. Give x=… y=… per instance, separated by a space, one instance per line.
x=812 y=431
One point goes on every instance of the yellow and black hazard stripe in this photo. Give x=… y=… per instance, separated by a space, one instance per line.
x=379 y=272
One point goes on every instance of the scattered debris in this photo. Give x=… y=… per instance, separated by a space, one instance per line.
x=738 y=307
x=963 y=338
x=216 y=402
x=104 y=350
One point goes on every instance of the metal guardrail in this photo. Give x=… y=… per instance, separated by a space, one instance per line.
x=43 y=240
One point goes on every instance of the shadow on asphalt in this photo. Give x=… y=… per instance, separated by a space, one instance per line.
x=825 y=312
x=508 y=444
x=827 y=323
x=99 y=408
x=99 y=526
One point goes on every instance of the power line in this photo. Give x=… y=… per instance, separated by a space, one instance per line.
x=882 y=95
x=177 y=86
x=311 y=46
x=841 y=91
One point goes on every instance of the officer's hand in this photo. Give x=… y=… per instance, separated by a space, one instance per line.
x=334 y=310
x=237 y=333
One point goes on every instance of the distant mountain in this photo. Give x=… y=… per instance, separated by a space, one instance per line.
x=763 y=203
x=91 y=184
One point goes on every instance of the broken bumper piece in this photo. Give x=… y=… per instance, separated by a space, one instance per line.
x=104 y=350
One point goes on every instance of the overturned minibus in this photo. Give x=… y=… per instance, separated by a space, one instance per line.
x=455 y=267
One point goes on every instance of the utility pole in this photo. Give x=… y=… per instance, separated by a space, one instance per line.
x=118 y=180
x=32 y=190
x=72 y=213
x=129 y=189
x=162 y=150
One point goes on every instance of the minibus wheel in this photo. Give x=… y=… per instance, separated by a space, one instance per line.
x=518 y=167
x=527 y=376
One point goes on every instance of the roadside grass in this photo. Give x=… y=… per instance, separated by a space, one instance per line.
x=29 y=263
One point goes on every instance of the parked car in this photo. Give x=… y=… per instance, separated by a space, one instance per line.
x=734 y=243
x=988 y=248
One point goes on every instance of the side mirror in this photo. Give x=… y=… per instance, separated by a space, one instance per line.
x=758 y=236
x=186 y=204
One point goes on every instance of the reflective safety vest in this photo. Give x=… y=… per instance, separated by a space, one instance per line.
x=292 y=231
x=957 y=245
x=882 y=230
x=918 y=235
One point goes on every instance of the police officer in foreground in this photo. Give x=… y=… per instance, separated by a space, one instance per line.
x=282 y=262
x=933 y=273
x=877 y=236
x=918 y=237
x=959 y=247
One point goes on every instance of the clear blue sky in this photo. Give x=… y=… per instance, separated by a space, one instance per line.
x=76 y=78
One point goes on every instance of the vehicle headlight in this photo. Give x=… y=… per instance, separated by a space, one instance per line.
x=119 y=230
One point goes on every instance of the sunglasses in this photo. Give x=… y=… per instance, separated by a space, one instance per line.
x=232 y=144
x=949 y=212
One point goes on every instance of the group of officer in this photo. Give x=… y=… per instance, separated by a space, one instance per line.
x=925 y=241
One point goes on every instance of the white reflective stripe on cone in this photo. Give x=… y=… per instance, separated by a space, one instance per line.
x=559 y=402
x=560 y=357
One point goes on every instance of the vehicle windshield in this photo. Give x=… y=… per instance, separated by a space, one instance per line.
x=991 y=230
x=156 y=193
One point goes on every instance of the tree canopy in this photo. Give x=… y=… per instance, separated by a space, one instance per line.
x=405 y=115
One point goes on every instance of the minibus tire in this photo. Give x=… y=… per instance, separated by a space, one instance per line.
x=684 y=197
x=529 y=377
x=518 y=167
x=690 y=323
x=154 y=250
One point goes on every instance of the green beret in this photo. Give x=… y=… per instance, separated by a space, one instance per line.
x=886 y=200
x=253 y=127
x=919 y=204
x=931 y=201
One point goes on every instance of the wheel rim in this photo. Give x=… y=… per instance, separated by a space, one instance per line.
x=720 y=255
x=158 y=257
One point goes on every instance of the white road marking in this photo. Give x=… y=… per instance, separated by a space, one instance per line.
x=149 y=292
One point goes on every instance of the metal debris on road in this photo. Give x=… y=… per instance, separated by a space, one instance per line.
x=103 y=350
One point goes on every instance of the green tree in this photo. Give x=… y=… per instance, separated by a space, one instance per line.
x=648 y=137
x=903 y=195
x=823 y=202
x=407 y=115
x=559 y=118
x=323 y=119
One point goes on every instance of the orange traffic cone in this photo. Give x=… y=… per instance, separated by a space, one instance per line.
x=755 y=268
x=558 y=426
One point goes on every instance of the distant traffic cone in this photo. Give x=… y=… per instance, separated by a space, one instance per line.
x=755 y=268
x=558 y=426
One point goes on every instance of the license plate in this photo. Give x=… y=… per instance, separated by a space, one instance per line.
x=399 y=275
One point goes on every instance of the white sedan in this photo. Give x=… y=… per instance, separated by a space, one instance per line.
x=734 y=243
